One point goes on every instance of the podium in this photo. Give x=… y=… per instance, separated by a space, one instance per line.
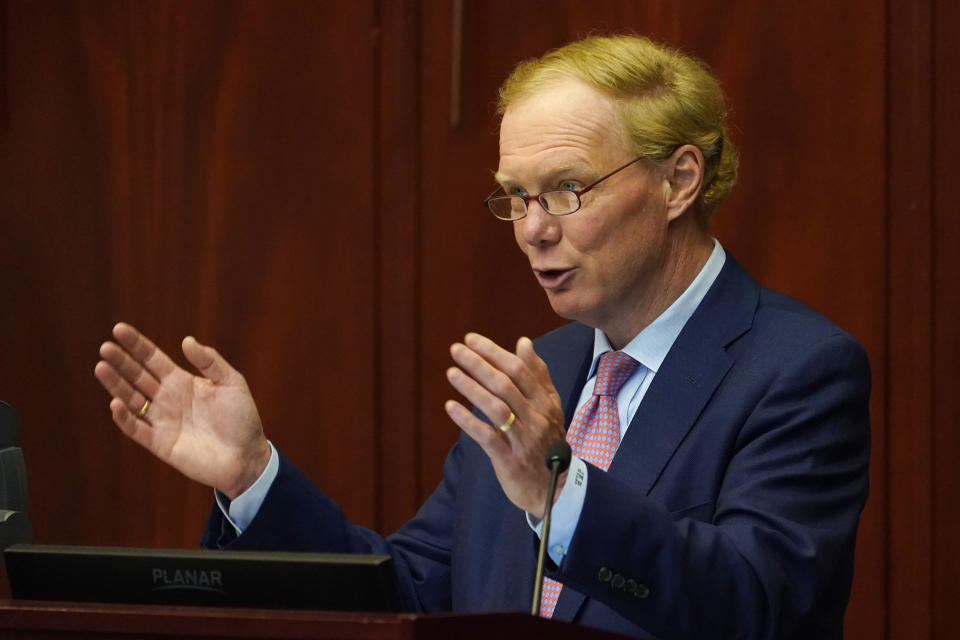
x=36 y=620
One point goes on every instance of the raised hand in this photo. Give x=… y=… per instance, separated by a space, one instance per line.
x=501 y=384
x=207 y=427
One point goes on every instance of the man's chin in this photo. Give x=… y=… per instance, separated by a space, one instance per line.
x=565 y=305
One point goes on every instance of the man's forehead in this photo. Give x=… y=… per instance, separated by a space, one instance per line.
x=564 y=126
x=564 y=108
x=557 y=153
x=548 y=171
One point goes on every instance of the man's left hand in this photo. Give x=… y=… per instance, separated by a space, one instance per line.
x=500 y=383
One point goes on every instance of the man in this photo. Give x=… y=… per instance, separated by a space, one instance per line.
x=720 y=430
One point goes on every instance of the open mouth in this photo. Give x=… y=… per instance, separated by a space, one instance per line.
x=553 y=278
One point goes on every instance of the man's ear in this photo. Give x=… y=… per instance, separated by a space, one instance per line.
x=684 y=179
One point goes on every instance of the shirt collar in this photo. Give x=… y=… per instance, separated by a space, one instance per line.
x=650 y=346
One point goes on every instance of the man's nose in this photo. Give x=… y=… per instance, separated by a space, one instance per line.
x=539 y=227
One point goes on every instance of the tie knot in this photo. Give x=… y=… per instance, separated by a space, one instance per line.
x=612 y=371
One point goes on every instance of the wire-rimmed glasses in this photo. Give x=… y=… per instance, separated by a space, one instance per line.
x=559 y=203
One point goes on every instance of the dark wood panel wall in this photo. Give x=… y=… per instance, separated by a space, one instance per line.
x=195 y=168
x=944 y=319
x=298 y=183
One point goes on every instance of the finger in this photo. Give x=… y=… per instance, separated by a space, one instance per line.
x=528 y=355
x=131 y=399
x=129 y=369
x=503 y=361
x=490 y=440
x=494 y=381
x=492 y=406
x=210 y=363
x=137 y=429
x=143 y=351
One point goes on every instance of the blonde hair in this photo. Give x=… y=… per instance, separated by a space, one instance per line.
x=665 y=99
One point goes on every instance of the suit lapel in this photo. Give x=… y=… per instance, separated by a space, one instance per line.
x=694 y=367
x=671 y=405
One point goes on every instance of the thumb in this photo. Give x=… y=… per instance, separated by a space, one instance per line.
x=206 y=359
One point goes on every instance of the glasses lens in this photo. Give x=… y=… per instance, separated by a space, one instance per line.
x=507 y=207
x=560 y=202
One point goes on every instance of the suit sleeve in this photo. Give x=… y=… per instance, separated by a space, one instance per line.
x=781 y=534
x=296 y=516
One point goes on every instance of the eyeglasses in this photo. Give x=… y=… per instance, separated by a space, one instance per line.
x=558 y=203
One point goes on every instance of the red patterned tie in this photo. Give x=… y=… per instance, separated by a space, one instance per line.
x=594 y=434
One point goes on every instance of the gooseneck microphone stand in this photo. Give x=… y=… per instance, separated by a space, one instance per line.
x=558 y=460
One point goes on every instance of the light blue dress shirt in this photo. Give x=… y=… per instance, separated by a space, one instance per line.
x=649 y=348
x=240 y=512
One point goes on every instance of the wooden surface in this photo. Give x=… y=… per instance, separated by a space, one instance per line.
x=298 y=183
x=39 y=620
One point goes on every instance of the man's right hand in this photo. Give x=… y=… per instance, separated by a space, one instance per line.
x=207 y=427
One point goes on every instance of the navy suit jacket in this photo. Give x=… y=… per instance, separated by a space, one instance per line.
x=730 y=509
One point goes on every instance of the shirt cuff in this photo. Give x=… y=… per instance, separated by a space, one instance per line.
x=243 y=510
x=566 y=511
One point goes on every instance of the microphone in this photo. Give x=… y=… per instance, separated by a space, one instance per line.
x=558 y=460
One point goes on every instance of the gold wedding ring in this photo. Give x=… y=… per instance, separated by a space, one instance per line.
x=506 y=426
x=146 y=405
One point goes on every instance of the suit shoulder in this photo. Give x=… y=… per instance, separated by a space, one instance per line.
x=777 y=302
x=793 y=323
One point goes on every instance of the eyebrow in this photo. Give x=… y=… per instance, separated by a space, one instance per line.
x=552 y=172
